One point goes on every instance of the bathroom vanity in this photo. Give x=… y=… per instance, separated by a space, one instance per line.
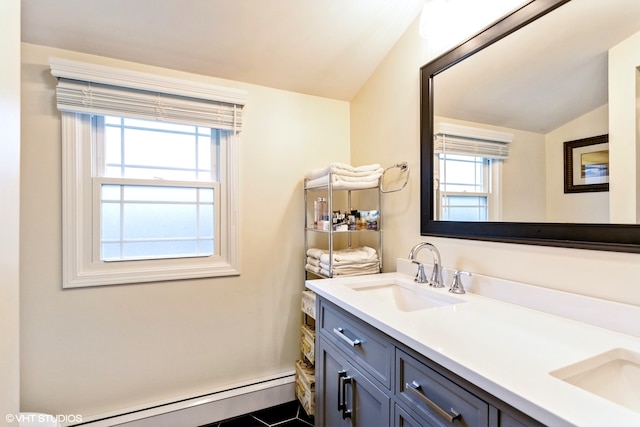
x=374 y=378
x=392 y=352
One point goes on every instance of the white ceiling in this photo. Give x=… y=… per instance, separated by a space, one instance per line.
x=330 y=48
x=327 y=48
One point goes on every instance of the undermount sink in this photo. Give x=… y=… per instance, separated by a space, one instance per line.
x=614 y=375
x=403 y=298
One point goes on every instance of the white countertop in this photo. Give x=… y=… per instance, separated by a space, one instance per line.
x=504 y=348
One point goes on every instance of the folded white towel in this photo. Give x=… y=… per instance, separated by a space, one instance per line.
x=313 y=261
x=316 y=253
x=353 y=270
x=344 y=169
x=342 y=185
x=361 y=254
x=352 y=266
x=314 y=268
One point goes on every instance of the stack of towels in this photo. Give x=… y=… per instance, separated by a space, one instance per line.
x=345 y=177
x=346 y=262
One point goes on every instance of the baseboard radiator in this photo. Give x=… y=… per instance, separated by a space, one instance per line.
x=193 y=411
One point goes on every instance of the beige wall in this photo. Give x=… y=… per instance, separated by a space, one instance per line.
x=624 y=118
x=385 y=128
x=576 y=207
x=9 y=212
x=100 y=349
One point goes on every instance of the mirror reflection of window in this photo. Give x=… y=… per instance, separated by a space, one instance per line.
x=467 y=171
x=465 y=188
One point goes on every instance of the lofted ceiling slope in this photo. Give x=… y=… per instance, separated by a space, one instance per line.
x=327 y=48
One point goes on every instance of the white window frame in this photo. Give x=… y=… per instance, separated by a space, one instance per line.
x=80 y=268
x=493 y=174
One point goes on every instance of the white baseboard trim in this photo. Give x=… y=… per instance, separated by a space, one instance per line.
x=193 y=411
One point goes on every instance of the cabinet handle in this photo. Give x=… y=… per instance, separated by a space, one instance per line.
x=344 y=380
x=414 y=387
x=341 y=402
x=340 y=332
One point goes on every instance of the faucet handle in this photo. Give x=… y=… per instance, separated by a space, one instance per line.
x=421 y=276
x=456 y=282
x=436 y=276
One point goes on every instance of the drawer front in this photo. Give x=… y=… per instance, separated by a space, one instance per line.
x=363 y=344
x=517 y=419
x=402 y=418
x=436 y=398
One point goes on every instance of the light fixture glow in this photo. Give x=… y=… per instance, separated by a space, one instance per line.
x=445 y=23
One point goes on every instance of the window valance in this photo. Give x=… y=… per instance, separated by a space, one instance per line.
x=96 y=89
x=456 y=139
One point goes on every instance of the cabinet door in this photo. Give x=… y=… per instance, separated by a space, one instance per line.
x=403 y=419
x=516 y=419
x=362 y=343
x=344 y=396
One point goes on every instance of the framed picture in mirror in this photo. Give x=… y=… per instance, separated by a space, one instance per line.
x=586 y=165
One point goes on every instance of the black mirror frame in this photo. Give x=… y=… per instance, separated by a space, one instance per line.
x=607 y=237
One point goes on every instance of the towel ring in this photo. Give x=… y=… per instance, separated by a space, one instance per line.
x=404 y=167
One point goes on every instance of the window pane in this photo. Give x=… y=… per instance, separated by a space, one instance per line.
x=464 y=208
x=206 y=227
x=110 y=225
x=158 y=149
x=156 y=221
x=206 y=195
x=463 y=173
x=111 y=192
x=204 y=153
x=148 y=193
x=158 y=125
x=143 y=149
x=111 y=251
x=205 y=246
x=113 y=146
x=171 y=249
x=110 y=120
x=461 y=201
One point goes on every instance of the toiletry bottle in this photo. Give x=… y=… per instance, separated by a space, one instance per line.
x=351 y=220
x=361 y=221
x=323 y=209
x=315 y=214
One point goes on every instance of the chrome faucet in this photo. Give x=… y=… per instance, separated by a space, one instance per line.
x=436 y=275
x=456 y=282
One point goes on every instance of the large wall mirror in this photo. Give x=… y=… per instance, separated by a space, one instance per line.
x=551 y=78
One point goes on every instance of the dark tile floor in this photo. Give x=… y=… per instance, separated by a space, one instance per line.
x=289 y=414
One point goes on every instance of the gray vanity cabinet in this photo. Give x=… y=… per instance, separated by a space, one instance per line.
x=366 y=378
x=356 y=363
x=344 y=395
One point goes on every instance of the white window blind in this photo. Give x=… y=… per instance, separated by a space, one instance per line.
x=455 y=139
x=94 y=89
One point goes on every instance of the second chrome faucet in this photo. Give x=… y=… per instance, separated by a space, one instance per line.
x=436 y=275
